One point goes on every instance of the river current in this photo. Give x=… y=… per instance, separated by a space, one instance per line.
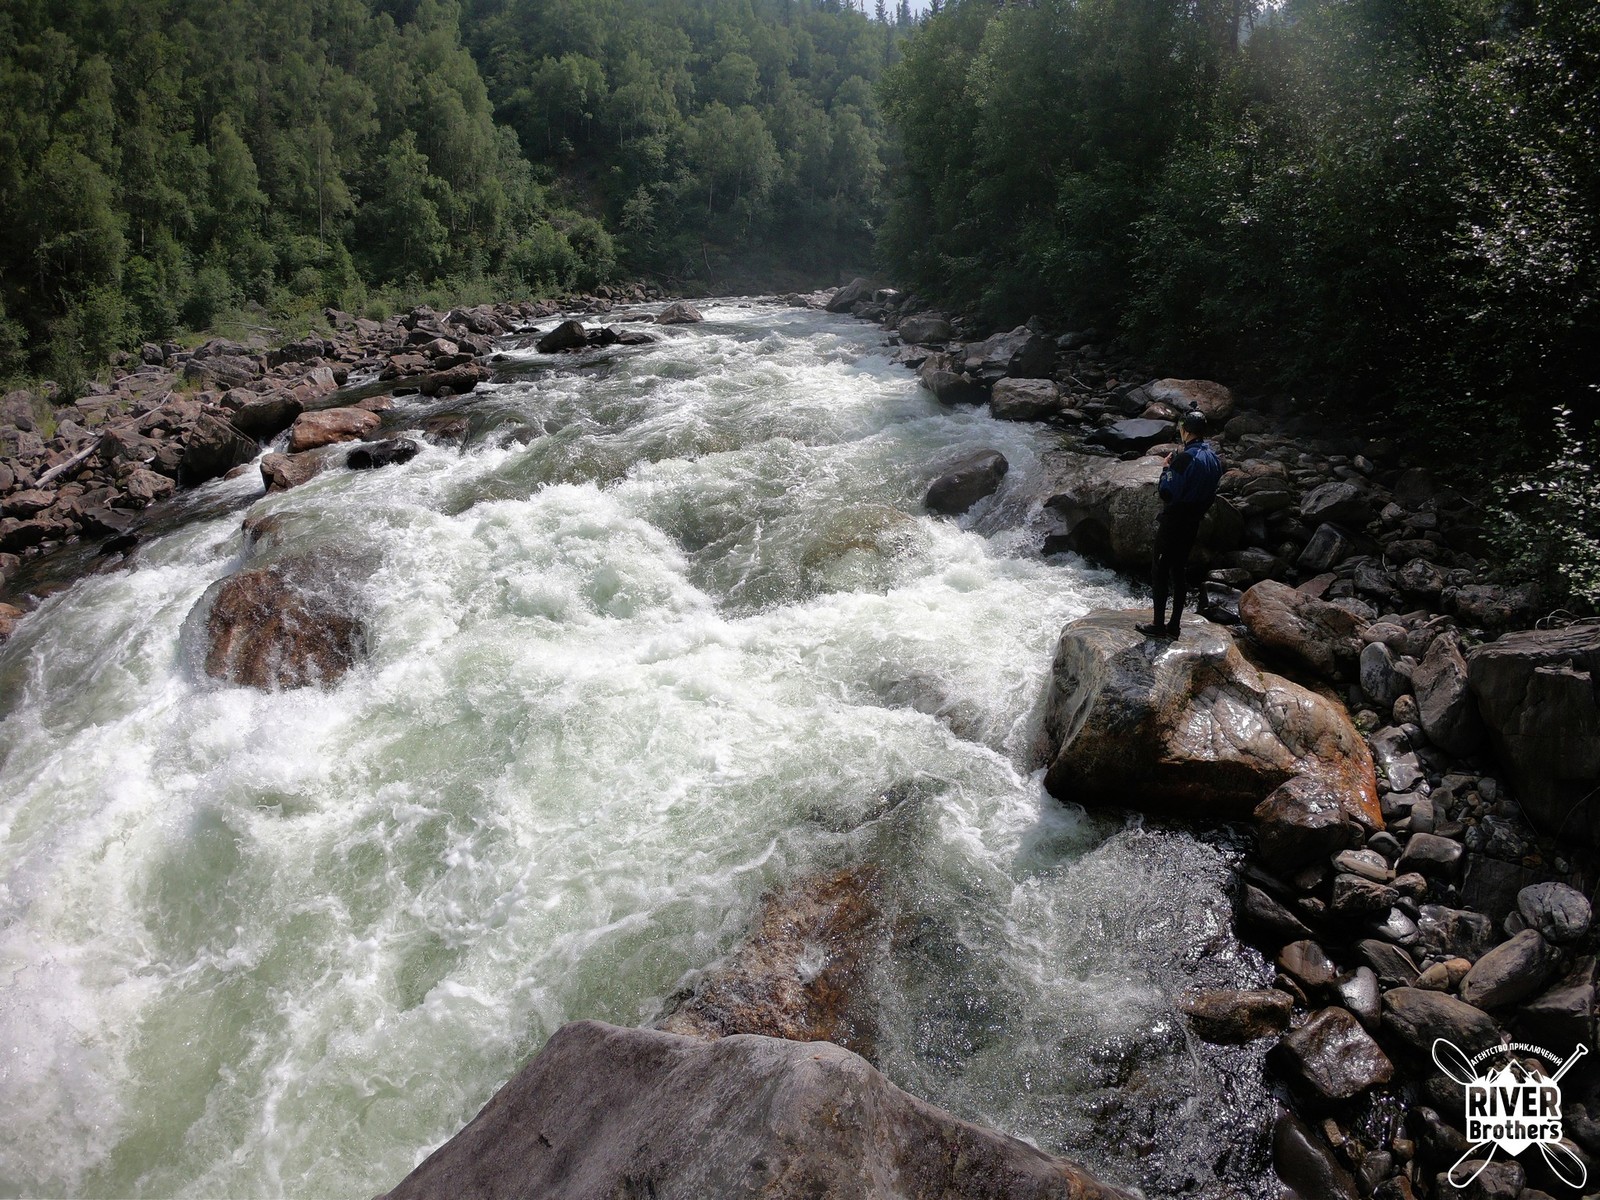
x=669 y=631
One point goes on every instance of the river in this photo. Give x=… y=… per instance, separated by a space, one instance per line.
x=669 y=631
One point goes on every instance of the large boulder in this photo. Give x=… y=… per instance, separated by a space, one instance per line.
x=605 y=1112
x=280 y=472
x=1189 y=727
x=949 y=386
x=569 y=335
x=1537 y=692
x=1310 y=632
x=679 y=312
x=1024 y=399
x=799 y=974
x=329 y=425
x=1212 y=399
x=1133 y=435
x=1021 y=354
x=846 y=297
x=284 y=626
x=966 y=482
x=213 y=447
x=1109 y=509
x=924 y=327
x=266 y=418
x=1444 y=698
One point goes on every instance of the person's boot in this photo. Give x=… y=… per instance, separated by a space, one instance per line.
x=1155 y=629
x=1172 y=629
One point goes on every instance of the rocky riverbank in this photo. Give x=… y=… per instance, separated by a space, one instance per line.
x=1417 y=765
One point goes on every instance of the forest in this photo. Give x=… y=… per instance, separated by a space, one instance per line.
x=164 y=163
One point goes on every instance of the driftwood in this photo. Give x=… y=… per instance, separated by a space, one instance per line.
x=60 y=469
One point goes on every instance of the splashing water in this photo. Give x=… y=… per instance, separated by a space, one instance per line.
x=664 y=635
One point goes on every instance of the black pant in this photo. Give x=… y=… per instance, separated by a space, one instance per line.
x=1176 y=531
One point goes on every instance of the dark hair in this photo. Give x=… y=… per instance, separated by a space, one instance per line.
x=1194 y=421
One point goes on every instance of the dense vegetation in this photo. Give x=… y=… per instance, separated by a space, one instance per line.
x=1391 y=203
x=166 y=161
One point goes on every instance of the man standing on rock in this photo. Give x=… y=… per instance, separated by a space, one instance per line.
x=1188 y=486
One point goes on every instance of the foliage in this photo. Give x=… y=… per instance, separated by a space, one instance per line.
x=1546 y=523
x=1389 y=205
x=164 y=162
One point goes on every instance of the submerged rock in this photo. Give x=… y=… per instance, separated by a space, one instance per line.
x=679 y=312
x=569 y=335
x=800 y=974
x=1188 y=727
x=604 y=1112
x=269 y=629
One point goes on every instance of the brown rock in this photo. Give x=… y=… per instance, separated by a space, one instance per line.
x=966 y=482
x=1024 y=399
x=1189 y=727
x=281 y=627
x=280 y=472
x=1233 y=1017
x=1212 y=399
x=27 y=503
x=772 y=985
x=1302 y=821
x=313 y=429
x=212 y=447
x=1334 y=1056
x=266 y=418
x=1312 y=632
x=457 y=380
x=605 y=1112
x=146 y=487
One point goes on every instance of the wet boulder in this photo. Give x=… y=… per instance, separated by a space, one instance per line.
x=966 y=482
x=569 y=335
x=456 y=381
x=950 y=387
x=1416 y=1017
x=1560 y=912
x=1211 y=399
x=279 y=627
x=1229 y=1017
x=387 y=453
x=330 y=425
x=1310 y=632
x=1333 y=1056
x=1133 y=435
x=280 y=472
x=800 y=973
x=1189 y=727
x=680 y=312
x=1445 y=707
x=266 y=418
x=1537 y=692
x=1512 y=971
x=213 y=447
x=603 y=1111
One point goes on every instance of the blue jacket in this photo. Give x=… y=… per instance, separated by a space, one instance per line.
x=1193 y=486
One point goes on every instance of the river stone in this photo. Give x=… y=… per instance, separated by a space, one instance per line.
x=949 y=387
x=1312 y=632
x=1262 y=914
x=1308 y=964
x=1213 y=400
x=1303 y=1161
x=1359 y=992
x=1512 y=971
x=455 y=381
x=1355 y=896
x=1368 y=864
x=1397 y=763
x=1110 y=510
x=1327 y=548
x=1024 y=399
x=606 y=1112
x=773 y=984
x=330 y=425
x=1379 y=679
x=281 y=627
x=964 y=484
x=1416 y=1017
x=1302 y=821
x=213 y=447
x=1333 y=1056
x=1565 y=1014
x=27 y=503
x=1495 y=1181
x=1561 y=913
x=145 y=487
x=386 y=453
x=1189 y=727
x=1392 y=965
x=266 y=418
x=924 y=328
x=280 y=472
x=1021 y=354
x=569 y=335
x=1431 y=855
x=1337 y=503
x=847 y=296
x=1229 y=1017
x=1537 y=692
x=1133 y=434
x=1445 y=707
x=1454 y=932
x=680 y=312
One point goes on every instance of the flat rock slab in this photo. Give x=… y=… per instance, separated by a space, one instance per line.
x=604 y=1112
x=1188 y=727
x=329 y=425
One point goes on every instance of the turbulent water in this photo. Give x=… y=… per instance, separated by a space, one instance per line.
x=670 y=631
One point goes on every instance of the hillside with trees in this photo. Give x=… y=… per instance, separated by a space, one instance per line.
x=165 y=162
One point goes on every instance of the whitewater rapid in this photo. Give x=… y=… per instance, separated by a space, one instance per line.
x=669 y=631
